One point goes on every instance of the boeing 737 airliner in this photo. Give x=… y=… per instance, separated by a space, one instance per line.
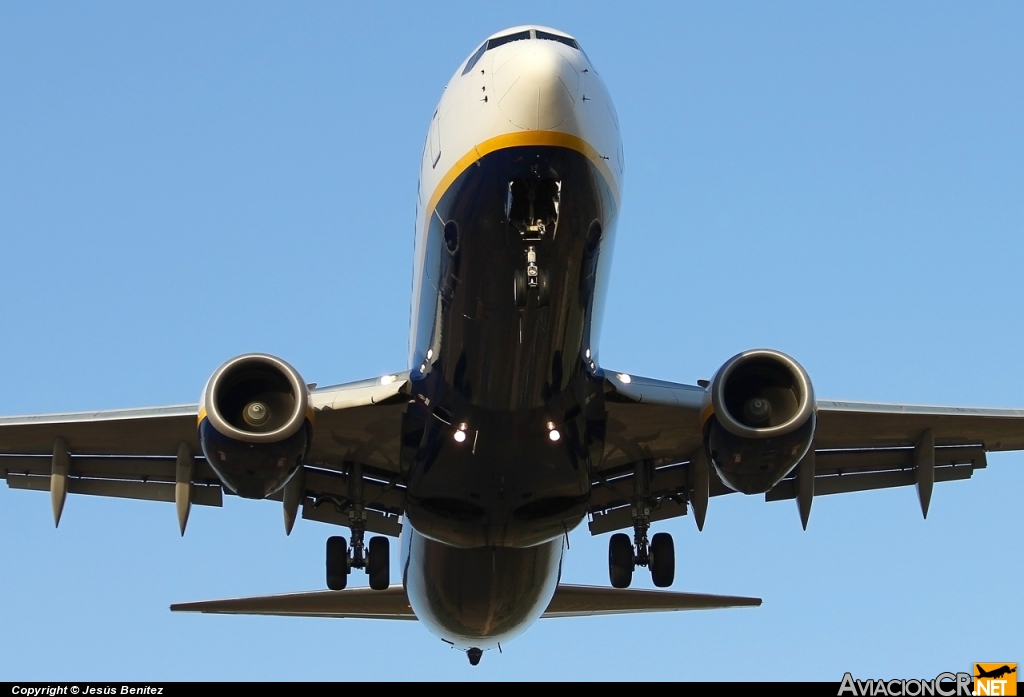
x=504 y=433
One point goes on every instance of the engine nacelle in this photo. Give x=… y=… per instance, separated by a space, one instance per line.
x=255 y=424
x=759 y=419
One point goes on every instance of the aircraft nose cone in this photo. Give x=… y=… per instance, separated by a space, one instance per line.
x=537 y=87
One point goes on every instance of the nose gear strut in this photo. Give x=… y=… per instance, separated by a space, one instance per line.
x=531 y=266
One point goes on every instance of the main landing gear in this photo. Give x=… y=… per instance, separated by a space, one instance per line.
x=659 y=554
x=344 y=556
x=376 y=560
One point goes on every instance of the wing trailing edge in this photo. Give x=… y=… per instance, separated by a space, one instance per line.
x=584 y=601
x=393 y=604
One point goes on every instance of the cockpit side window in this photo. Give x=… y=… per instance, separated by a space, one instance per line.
x=508 y=38
x=475 y=58
x=560 y=39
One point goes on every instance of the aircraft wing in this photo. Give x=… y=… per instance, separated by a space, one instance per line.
x=150 y=453
x=857 y=447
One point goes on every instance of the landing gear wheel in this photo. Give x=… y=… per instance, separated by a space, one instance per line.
x=620 y=560
x=337 y=563
x=543 y=289
x=663 y=560
x=520 y=288
x=378 y=566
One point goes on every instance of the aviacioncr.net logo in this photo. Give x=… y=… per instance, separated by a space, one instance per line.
x=943 y=685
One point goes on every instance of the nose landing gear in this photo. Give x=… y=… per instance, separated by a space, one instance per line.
x=532 y=209
x=540 y=282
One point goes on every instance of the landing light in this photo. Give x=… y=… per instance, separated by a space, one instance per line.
x=553 y=433
x=460 y=434
x=388 y=379
x=624 y=378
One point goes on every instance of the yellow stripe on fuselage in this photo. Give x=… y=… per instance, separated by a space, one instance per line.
x=521 y=139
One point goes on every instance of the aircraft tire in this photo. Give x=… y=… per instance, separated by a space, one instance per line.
x=543 y=288
x=519 y=288
x=620 y=560
x=378 y=565
x=337 y=563
x=663 y=560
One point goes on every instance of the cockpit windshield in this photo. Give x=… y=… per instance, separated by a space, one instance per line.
x=507 y=39
x=516 y=36
x=560 y=39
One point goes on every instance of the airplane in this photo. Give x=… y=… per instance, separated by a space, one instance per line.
x=504 y=432
x=995 y=672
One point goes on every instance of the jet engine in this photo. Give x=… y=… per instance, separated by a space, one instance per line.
x=760 y=419
x=255 y=424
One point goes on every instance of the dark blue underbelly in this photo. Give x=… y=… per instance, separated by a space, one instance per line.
x=503 y=351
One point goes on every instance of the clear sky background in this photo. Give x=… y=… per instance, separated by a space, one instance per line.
x=184 y=182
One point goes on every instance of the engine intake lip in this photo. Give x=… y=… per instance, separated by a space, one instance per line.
x=236 y=370
x=777 y=366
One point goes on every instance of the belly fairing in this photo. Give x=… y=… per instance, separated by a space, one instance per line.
x=479 y=597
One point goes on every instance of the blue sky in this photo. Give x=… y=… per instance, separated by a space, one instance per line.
x=181 y=183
